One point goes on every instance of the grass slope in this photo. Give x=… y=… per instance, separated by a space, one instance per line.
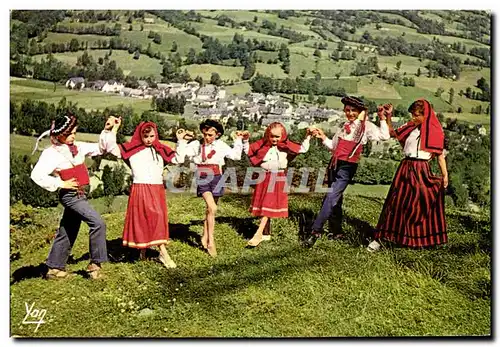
x=277 y=290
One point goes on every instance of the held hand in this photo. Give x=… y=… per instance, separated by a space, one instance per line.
x=70 y=184
x=361 y=115
x=388 y=109
x=180 y=133
x=380 y=112
x=118 y=123
x=445 y=181
x=246 y=135
x=188 y=135
x=110 y=122
x=318 y=133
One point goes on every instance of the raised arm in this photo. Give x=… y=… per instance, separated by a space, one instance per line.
x=234 y=153
x=331 y=144
x=107 y=140
x=305 y=144
x=375 y=133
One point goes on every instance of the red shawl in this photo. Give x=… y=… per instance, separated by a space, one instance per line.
x=135 y=144
x=431 y=132
x=258 y=149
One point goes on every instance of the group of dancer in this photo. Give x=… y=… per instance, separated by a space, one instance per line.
x=412 y=216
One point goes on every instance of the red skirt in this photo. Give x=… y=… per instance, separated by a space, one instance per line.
x=413 y=212
x=146 y=222
x=272 y=204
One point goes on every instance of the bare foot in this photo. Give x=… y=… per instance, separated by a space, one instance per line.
x=142 y=255
x=204 y=241
x=212 y=251
x=167 y=261
x=256 y=240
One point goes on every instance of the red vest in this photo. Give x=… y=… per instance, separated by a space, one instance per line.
x=79 y=172
x=349 y=151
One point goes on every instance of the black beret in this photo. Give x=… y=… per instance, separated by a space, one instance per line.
x=353 y=101
x=211 y=123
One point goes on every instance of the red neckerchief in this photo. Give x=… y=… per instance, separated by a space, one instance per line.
x=203 y=155
x=73 y=149
x=259 y=149
x=135 y=144
x=431 y=131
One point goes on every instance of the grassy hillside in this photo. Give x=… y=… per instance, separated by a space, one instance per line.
x=21 y=89
x=277 y=290
x=144 y=66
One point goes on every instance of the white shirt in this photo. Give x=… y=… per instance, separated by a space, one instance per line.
x=277 y=160
x=372 y=132
x=222 y=151
x=412 y=146
x=147 y=166
x=59 y=157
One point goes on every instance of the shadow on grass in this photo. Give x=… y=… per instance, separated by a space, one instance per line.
x=212 y=282
x=180 y=232
x=27 y=272
x=246 y=227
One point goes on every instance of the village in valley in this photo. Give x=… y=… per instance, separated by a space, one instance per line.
x=211 y=101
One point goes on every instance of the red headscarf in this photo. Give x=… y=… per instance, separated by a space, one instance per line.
x=258 y=149
x=135 y=144
x=431 y=132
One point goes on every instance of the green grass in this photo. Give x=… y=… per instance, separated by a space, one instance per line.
x=411 y=35
x=407 y=22
x=21 y=89
x=239 y=89
x=273 y=70
x=209 y=27
x=66 y=38
x=205 y=71
x=473 y=118
x=293 y=23
x=391 y=30
x=144 y=66
x=378 y=89
x=277 y=290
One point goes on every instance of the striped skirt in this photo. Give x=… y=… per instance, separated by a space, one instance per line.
x=270 y=200
x=146 y=222
x=413 y=212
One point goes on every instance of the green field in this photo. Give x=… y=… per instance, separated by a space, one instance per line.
x=277 y=290
x=205 y=71
x=470 y=117
x=66 y=38
x=21 y=89
x=407 y=22
x=144 y=66
x=210 y=28
x=294 y=23
x=239 y=89
x=377 y=89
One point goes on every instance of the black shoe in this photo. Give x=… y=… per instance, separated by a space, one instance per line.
x=311 y=240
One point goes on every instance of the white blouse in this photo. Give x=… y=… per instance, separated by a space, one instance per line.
x=412 y=146
x=59 y=157
x=147 y=166
x=222 y=151
x=372 y=132
x=277 y=160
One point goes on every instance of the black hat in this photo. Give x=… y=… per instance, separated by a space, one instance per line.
x=353 y=101
x=211 y=123
x=63 y=125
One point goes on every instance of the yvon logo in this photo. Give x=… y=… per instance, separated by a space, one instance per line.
x=34 y=316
